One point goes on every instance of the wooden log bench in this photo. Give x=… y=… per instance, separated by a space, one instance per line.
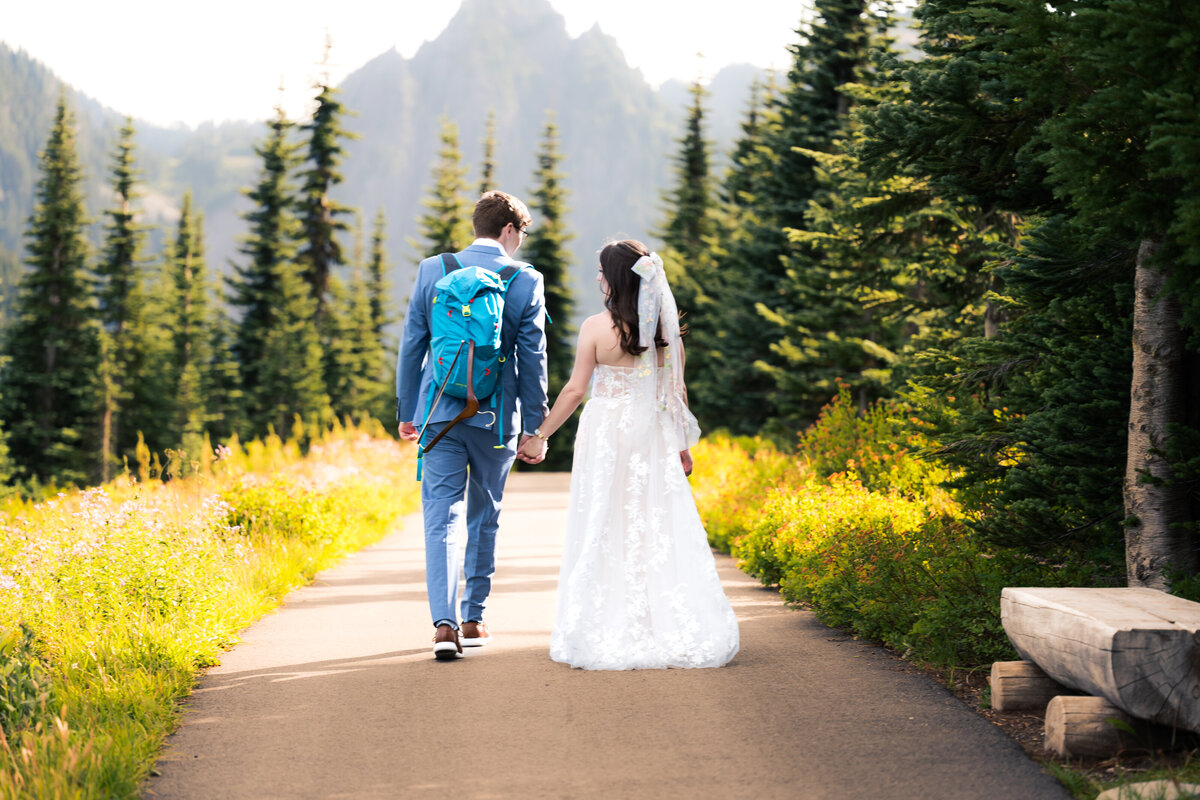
x=1139 y=649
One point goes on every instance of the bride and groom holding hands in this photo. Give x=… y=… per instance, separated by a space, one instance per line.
x=638 y=586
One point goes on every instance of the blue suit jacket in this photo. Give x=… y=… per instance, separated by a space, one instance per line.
x=523 y=334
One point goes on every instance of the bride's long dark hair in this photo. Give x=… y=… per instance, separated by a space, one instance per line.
x=616 y=263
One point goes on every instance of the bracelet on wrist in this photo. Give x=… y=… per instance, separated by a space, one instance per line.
x=538 y=433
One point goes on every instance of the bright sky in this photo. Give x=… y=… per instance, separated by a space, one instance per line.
x=167 y=61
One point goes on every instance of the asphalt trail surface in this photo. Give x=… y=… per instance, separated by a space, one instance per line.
x=337 y=695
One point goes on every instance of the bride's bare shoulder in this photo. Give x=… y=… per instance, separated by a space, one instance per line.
x=597 y=324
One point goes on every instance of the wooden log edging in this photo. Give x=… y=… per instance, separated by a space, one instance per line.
x=1137 y=648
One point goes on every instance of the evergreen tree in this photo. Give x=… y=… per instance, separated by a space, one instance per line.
x=1074 y=140
x=190 y=323
x=691 y=224
x=826 y=333
x=292 y=385
x=320 y=215
x=10 y=279
x=1123 y=155
x=964 y=122
x=377 y=282
x=52 y=397
x=277 y=343
x=690 y=234
x=6 y=468
x=547 y=250
x=715 y=340
x=446 y=227
x=321 y=255
x=226 y=401
x=488 y=170
x=775 y=179
x=382 y=316
x=357 y=351
x=121 y=307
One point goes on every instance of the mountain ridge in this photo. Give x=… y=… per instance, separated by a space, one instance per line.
x=618 y=135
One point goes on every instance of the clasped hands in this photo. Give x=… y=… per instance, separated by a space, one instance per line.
x=532 y=449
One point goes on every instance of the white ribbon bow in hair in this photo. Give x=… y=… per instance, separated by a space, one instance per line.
x=650 y=270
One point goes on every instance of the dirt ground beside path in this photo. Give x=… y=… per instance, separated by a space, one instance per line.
x=338 y=696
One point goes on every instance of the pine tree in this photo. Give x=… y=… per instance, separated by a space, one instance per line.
x=320 y=215
x=690 y=225
x=6 y=466
x=121 y=307
x=1063 y=124
x=377 y=282
x=321 y=255
x=356 y=352
x=52 y=398
x=446 y=227
x=825 y=334
x=277 y=343
x=488 y=170
x=226 y=402
x=10 y=279
x=190 y=323
x=546 y=249
x=382 y=316
x=718 y=336
x=690 y=234
x=774 y=179
x=1123 y=154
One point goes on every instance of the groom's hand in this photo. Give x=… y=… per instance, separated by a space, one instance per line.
x=408 y=431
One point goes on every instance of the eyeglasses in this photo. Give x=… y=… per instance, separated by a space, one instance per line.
x=523 y=231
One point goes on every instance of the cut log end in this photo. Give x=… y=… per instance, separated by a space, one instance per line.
x=1022 y=686
x=1086 y=727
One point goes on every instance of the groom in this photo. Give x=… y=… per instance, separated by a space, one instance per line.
x=468 y=460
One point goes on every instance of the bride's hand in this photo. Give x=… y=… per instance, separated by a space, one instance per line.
x=685 y=456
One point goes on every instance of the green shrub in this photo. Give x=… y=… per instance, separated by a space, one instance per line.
x=877 y=445
x=859 y=529
x=730 y=477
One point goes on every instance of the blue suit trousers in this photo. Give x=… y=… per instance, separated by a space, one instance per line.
x=463 y=484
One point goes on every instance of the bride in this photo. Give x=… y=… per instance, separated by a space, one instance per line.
x=638 y=588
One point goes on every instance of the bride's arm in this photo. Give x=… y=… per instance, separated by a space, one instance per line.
x=685 y=455
x=581 y=374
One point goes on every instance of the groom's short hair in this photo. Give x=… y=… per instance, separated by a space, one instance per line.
x=495 y=210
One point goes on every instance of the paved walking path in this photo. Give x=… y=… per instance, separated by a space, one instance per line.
x=337 y=696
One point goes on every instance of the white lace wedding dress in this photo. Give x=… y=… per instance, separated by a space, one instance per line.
x=638 y=588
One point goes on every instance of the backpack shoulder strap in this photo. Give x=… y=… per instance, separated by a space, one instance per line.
x=508 y=273
x=447 y=267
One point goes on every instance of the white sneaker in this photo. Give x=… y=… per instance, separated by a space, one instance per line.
x=475 y=634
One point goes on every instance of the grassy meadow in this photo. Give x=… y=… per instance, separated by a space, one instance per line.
x=114 y=597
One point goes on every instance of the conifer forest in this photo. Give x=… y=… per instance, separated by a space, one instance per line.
x=990 y=246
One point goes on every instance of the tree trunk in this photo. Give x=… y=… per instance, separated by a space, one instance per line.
x=1154 y=540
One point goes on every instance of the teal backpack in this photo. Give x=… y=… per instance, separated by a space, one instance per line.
x=466 y=322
